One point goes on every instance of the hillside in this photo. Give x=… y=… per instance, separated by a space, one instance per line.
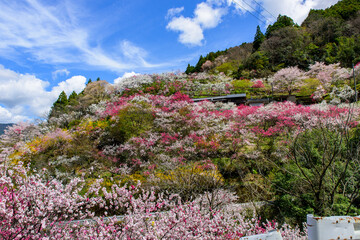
x=330 y=36
x=145 y=140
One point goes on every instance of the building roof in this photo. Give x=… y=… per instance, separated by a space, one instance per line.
x=231 y=96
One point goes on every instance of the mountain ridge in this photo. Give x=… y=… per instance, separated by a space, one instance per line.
x=330 y=36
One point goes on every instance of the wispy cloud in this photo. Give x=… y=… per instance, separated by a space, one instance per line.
x=52 y=34
x=173 y=12
x=135 y=54
x=60 y=72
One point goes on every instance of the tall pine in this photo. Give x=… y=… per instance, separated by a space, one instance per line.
x=258 y=39
x=59 y=105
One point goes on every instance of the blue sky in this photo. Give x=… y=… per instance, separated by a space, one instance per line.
x=50 y=46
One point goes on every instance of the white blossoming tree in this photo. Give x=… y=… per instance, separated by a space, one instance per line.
x=287 y=80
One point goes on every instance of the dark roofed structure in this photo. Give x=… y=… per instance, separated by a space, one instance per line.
x=235 y=98
x=257 y=102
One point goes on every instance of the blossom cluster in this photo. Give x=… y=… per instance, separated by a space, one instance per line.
x=183 y=131
x=145 y=134
x=292 y=79
x=166 y=84
x=31 y=208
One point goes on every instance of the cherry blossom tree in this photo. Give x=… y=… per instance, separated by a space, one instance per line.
x=31 y=208
x=328 y=74
x=287 y=79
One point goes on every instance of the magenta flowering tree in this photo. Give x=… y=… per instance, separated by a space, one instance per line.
x=258 y=84
x=28 y=205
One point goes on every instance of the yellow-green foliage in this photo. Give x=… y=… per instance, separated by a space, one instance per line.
x=90 y=125
x=309 y=86
x=51 y=140
x=227 y=68
x=54 y=140
x=241 y=86
x=254 y=186
x=134 y=179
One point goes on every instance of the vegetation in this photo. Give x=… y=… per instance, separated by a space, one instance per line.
x=150 y=143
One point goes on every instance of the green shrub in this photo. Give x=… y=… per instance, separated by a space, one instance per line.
x=130 y=122
x=241 y=86
x=227 y=68
x=309 y=86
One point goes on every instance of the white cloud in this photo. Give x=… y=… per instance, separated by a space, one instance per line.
x=297 y=9
x=190 y=32
x=75 y=83
x=53 y=34
x=7 y=117
x=270 y=9
x=60 y=72
x=125 y=75
x=173 y=12
x=25 y=96
x=206 y=15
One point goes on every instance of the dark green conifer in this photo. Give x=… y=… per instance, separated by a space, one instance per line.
x=281 y=22
x=190 y=69
x=258 y=39
x=59 y=105
x=73 y=99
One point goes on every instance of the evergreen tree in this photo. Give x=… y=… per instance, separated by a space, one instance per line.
x=89 y=81
x=73 y=99
x=59 y=105
x=281 y=22
x=201 y=61
x=190 y=69
x=62 y=99
x=258 y=39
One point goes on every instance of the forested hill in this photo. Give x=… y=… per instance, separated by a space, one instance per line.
x=330 y=36
x=3 y=126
